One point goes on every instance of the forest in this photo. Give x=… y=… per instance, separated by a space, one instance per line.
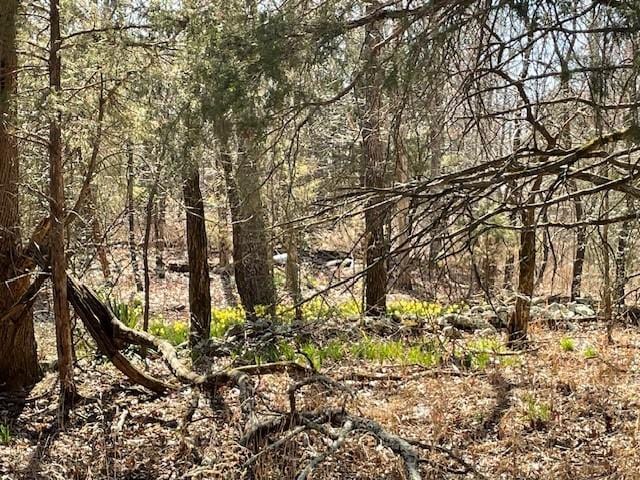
x=319 y=239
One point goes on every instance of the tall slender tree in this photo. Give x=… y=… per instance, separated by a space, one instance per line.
x=373 y=158
x=197 y=247
x=64 y=340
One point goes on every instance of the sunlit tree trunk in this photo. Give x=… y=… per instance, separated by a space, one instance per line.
x=64 y=340
x=131 y=221
x=292 y=272
x=18 y=353
x=224 y=246
x=404 y=281
x=580 y=251
x=148 y=221
x=373 y=159
x=159 y=232
x=621 y=256
x=509 y=263
x=97 y=236
x=518 y=324
x=252 y=259
x=196 y=232
x=624 y=237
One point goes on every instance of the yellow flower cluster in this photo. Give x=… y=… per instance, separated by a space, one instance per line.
x=420 y=309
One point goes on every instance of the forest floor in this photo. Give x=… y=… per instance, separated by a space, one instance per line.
x=559 y=411
x=566 y=408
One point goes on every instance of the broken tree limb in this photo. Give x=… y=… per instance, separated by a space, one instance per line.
x=109 y=334
x=337 y=418
x=318 y=459
x=26 y=301
x=96 y=318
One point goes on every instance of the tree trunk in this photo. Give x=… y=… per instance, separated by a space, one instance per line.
x=519 y=321
x=435 y=167
x=159 y=230
x=251 y=254
x=546 y=249
x=97 y=237
x=622 y=249
x=374 y=168
x=581 y=249
x=292 y=272
x=621 y=257
x=223 y=237
x=64 y=340
x=224 y=248
x=145 y=248
x=199 y=284
x=18 y=352
x=132 y=221
x=403 y=242
x=489 y=264
x=509 y=264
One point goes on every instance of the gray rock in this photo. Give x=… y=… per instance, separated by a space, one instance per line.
x=488 y=332
x=586 y=301
x=555 y=307
x=465 y=322
x=538 y=301
x=451 y=332
x=537 y=311
x=583 y=310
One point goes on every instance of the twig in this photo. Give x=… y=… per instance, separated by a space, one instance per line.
x=337 y=443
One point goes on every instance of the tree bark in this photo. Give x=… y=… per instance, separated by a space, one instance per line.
x=404 y=280
x=581 y=249
x=509 y=263
x=131 y=221
x=18 y=352
x=518 y=324
x=97 y=237
x=145 y=248
x=621 y=257
x=373 y=158
x=159 y=231
x=292 y=272
x=64 y=340
x=252 y=259
x=224 y=247
x=199 y=283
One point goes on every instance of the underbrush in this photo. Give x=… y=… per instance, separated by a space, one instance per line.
x=5 y=435
x=225 y=318
x=475 y=354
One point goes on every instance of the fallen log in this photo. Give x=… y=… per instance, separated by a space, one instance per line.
x=97 y=318
x=110 y=335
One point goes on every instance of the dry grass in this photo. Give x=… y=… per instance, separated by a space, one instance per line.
x=589 y=425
